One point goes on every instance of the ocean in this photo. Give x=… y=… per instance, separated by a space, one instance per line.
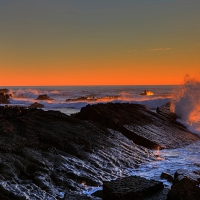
x=70 y=99
x=185 y=103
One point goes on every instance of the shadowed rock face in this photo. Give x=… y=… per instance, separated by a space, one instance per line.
x=48 y=155
x=143 y=127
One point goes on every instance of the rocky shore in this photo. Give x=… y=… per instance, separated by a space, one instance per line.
x=49 y=155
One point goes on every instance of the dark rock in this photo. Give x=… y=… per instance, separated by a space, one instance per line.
x=166 y=112
x=185 y=186
x=142 y=126
x=180 y=172
x=36 y=105
x=4 y=96
x=133 y=187
x=49 y=155
x=43 y=97
x=160 y=195
x=167 y=176
x=98 y=193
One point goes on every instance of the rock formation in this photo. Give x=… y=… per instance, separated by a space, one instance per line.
x=43 y=97
x=185 y=186
x=36 y=105
x=48 y=155
x=4 y=96
x=143 y=127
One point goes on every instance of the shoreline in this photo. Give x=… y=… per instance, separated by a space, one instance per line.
x=89 y=148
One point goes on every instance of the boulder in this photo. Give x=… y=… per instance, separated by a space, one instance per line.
x=143 y=127
x=133 y=187
x=43 y=97
x=36 y=105
x=185 y=186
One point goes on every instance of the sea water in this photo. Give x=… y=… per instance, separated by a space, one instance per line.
x=79 y=96
x=185 y=103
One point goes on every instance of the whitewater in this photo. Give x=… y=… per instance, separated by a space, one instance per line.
x=185 y=102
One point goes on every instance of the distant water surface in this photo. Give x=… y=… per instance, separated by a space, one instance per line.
x=79 y=96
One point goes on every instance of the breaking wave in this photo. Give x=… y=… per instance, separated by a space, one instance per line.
x=186 y=104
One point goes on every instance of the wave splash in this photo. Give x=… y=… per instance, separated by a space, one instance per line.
x=186 y=104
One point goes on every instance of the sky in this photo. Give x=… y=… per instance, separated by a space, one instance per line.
x=99 y=42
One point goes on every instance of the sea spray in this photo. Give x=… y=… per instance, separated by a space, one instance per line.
x=186 y=104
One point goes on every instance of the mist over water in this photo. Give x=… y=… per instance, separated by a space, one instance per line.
x=186 y=104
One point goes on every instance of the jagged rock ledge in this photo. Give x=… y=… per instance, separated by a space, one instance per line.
x=152 y=130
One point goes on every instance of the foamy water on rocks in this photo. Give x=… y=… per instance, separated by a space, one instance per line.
x=168 y=160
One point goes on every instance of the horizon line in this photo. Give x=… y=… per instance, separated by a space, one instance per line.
x=88 y=85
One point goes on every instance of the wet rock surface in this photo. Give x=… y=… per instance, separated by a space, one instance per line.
x=132 y=187
x=185 y=186
x=143 y=127
x=48 y=155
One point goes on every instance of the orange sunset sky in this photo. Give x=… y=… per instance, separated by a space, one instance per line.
x=87 y=42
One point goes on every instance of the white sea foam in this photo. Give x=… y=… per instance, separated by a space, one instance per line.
x=186 y=104
x=169 y=160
